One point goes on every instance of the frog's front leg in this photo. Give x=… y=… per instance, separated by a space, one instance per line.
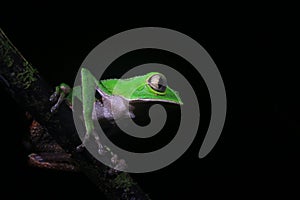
x=61 y=93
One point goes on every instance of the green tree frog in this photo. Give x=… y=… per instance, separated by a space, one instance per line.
x=116 y=97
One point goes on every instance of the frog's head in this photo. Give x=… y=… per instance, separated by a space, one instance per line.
x=153 y=87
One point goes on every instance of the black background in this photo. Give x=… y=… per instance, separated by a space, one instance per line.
x=258 y=151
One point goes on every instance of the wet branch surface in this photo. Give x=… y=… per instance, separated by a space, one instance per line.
x=23 y=82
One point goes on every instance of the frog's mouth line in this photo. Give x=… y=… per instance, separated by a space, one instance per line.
x=154 y=100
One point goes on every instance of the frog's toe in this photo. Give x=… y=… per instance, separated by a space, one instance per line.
x=81 y=147
x=54 y=108
x=54 y=97
x=118 y=164
x=101 y=150
x=121 y=165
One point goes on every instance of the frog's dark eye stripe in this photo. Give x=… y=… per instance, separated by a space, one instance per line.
x=158 y=82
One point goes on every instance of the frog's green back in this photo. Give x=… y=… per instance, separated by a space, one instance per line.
x=136 y=89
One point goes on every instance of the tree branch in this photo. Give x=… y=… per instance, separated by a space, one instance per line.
x=23 y=82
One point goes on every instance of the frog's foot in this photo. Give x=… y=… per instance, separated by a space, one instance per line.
x=59 y=95
x=101 y=149
x=118 y=164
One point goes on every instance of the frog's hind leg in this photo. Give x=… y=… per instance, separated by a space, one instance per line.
x=89 y=84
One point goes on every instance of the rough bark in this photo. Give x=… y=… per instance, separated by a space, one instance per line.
x=24 y=83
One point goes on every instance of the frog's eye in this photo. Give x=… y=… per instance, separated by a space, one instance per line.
x=158 y=82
